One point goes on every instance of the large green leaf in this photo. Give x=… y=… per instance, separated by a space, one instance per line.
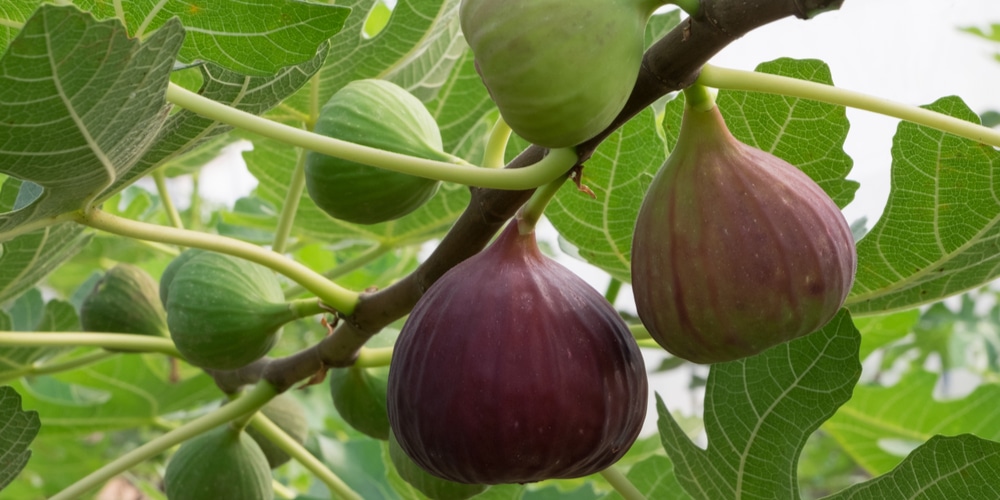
x=13 y=14
x=760 y=411
x=945 y=467
x=17 y=429
x=654 y=477
x=79 y=101
x=29 y=313
x=937 y=235
x=255 y=37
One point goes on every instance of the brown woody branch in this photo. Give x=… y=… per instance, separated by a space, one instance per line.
x=671 y=64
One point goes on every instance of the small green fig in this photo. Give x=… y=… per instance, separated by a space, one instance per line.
x=559 y=70
x=224 y=312
x=382 y=115
x=359 y=396
x=125 y=300
x=221 y=464
x=433 y=487
x=168 y=274
x=735 y=250
x=287 y=414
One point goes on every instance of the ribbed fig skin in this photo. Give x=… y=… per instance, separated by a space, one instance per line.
x=735 y=250
x=125 y=300
x=511 y=369
x=221 y=464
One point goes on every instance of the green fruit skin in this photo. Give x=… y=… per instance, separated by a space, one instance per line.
x=359 y=397
x=735 y=250
x=287 y=414
x=224 y=312
x=222 y=464
x=434 y=487
x=382 y=115
x=125 y=300
x=559 y=70
x=168 y=274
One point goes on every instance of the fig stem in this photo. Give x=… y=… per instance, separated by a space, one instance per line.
x=329 y=292
x=370 y=254
x=699 y=98
x=286 y=220
x=621 y=484
x=251 y=401
x=371 y=357
x=496 y=147
x=529 y=214
x=294 y=449
x=119 y=341
x=160 y=178
x=303 y=308
x=46 y=368
x=506 y=179
x=734 y=79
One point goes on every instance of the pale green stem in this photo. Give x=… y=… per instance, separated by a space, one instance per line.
x=551 y=167
x=118 y=341
x=496 y=147
x=725 y=78
x=251 y=401
x=314 y=106
x=283 y=491
x=291 y=206
x=648 y=343
x=611 y=293
x=531 y=212
x=699 y=97
x=195 y=207
x=57 y=366
x=168 y=204
x=330 y=293
x=294 y=449
x=303 y=308
x=159 y=247
x=371 y=357
x=374 y=252
x=621 y=484
x=639 y=331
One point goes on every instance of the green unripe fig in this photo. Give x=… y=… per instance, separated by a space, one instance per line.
x=287 y=414
x=382 y=115
x=125 y=300
x=432 y=486
x=735 y=250
x=359 y=397
x=221 y=464
x=224 y=312
x=558 y=70
x=168 y=274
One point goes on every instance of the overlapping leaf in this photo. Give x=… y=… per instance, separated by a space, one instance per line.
x=760 y=411
x=13 y=13
x=938 y=234
x=29 y=313
x=17 y=429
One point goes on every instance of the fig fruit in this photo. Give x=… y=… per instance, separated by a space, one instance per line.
x=735 y=250
x=168 y=273
x=221 y=464
x=287 y=414
x=224 y=312
x=511 y=369
x=559 y=70
x=124 y=300
x=382 y=115
x=433 y=487
x=359 y=397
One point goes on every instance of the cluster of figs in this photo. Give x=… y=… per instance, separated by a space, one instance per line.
x=510 y=368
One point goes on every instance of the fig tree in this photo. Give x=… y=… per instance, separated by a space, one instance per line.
x=287 y=414
x=433 y=487
x=511 y=369
x=382 y=115
x=221 y=464
x=359 y=396
x=124 y=300
x=735 y=250
x=558 y=70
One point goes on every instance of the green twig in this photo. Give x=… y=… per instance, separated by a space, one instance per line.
x=531 y=212
x=251 y=401
x=546 y=170
x=294 y=449
x=291 y=206
x=370 y=357
x=621 y=484
x=117 y=341
x=168 y=204
x=725 y=78
x=496 y=147
x=611 y=293
x=330 y=293
x=57 y=366
x=194 y=210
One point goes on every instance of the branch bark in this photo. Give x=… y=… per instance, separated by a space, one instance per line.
x=671 y=64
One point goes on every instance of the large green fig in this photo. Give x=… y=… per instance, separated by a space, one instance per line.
x=511 y=369
x=221 y=464
x=735 y=250
x=359 y=396
x=168 y=274
x=287 y=414
x=433 y=487
x=125 y=300
x=558 y=70
x=382 y=115
x=224 y=312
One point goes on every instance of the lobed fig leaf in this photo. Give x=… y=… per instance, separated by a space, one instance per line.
x=360 y=398
x=433 y=487
x=511 y=369
x=735 y=250
x=221 y=464
x=559 y=70
x=224 y=312
x=379 y=114
x=124 y=300
x=288 y=415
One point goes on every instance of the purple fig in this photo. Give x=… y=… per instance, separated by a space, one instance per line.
x=511 y=369
x=735 y=250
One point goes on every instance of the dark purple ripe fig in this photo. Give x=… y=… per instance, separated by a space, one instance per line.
x=735 y=250
x=433 y=487
x=125 y=300
x=511 y=369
